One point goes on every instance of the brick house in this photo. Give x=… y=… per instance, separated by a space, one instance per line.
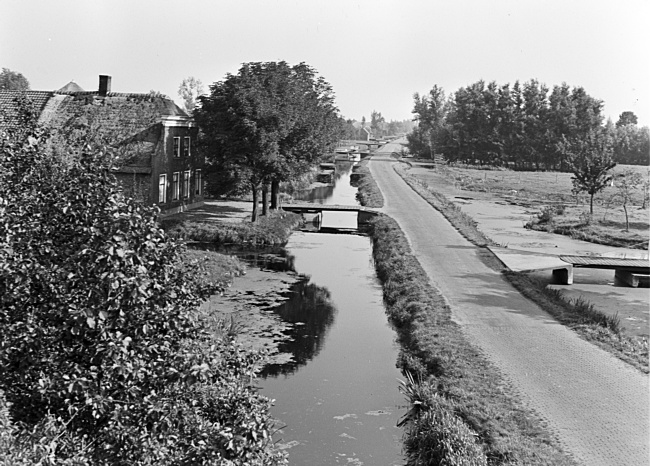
x=152 y=139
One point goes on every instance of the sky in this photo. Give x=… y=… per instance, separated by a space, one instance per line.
x=375 y=53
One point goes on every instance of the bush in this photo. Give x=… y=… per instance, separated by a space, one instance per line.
x=99 y=330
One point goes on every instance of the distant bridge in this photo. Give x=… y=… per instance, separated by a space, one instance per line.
x=364 y=214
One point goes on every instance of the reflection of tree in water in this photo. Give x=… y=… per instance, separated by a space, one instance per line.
x=311 y=308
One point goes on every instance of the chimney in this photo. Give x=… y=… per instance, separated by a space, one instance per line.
x=104 y=85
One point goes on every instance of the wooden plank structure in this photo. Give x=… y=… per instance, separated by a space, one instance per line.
x=364 y=214
x=634 y=272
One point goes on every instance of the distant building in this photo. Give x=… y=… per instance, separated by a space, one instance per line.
x=365 y=133
x=155 y=141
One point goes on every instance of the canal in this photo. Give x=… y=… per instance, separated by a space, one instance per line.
x=338 y=399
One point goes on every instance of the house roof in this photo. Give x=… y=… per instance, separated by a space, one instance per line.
x=71 y=87
x=10 y=105
x=116 y=119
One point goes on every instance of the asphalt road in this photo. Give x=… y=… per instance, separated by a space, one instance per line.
x=596 y=405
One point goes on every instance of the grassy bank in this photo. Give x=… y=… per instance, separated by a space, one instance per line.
x=369 y=194
x=589 y=323
x=270 y=230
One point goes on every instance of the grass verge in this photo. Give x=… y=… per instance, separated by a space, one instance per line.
x=591 y=324
x=270 y=230
x=368 y=194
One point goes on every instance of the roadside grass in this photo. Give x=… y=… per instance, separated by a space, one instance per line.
x=270 y=230
x=593 y=230
x=368 y=193
x=580 y=316
x=591 y=324
x=469 y=403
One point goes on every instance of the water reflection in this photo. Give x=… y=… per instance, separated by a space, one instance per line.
x=312 y=312
x=272 y=258
x=341 y=192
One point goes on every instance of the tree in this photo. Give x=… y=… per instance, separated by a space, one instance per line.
x=269 y=123
x=13 y=81
x=626 y=184
x=190 y=90
x=590 y=160
x=377 y=123
x=429 y=111
x=626 y=118
x=99 y=330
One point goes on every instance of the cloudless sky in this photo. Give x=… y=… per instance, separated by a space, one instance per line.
x=374 y=53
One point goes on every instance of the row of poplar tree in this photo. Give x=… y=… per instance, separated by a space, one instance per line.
x=521 y=126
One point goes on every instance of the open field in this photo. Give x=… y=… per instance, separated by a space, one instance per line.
x=537 y=190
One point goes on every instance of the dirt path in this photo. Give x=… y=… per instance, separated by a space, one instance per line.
x=596 y=405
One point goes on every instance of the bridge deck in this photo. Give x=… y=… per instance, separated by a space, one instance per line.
x=326 y=208
x=609 y=263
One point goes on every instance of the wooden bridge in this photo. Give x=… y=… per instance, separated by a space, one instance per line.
x=364 y=214
x=634 y=272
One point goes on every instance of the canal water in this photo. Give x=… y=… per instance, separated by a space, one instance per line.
x=338 y=400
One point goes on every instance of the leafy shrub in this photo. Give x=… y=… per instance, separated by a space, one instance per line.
x=99 y=332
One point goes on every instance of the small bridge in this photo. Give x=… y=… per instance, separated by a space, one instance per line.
x=364 y=214
x=634 y=272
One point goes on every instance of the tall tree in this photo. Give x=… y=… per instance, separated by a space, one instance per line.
x=267 y=123
x=190 y=90
x=13 y=81
x=429 y=111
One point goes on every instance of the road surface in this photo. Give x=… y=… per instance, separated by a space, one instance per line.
x=597 y=406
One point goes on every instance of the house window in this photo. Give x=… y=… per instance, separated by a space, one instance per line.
x=197 y=182
x=177 y=147
x=186 y=146
x=176 y=182
x=186 y=184
x=162 y=188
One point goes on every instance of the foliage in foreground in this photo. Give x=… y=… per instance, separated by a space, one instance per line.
x=103 y=356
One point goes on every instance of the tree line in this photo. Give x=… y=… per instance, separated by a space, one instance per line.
x=380 y=128
x=522 y=126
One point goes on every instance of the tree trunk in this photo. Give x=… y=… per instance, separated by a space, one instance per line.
x=591 y=204
x=627 y=221
x=265 y=199
x=275 y=195
x=256 y=201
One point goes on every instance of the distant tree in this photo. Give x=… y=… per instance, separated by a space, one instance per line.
x=626 y=118
x=626 y=184
x=429 y=111
x=590 y=160
x=190 y=90
x=13 y=81
x=377 y=123
x=632 y=145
